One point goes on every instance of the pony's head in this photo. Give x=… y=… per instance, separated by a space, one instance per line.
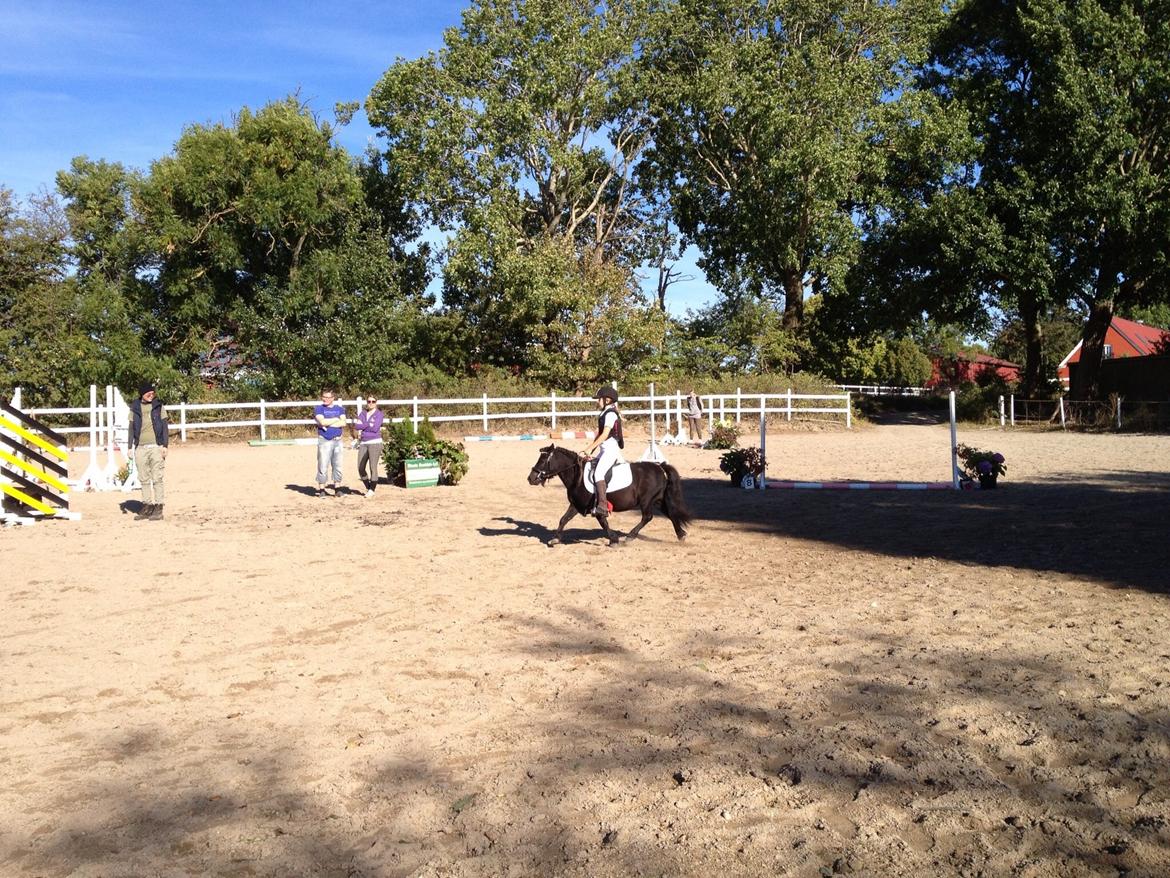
x=552 y=462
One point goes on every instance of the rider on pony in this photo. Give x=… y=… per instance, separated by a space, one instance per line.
x=609 y=440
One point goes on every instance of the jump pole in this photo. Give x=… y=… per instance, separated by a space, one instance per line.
x=763 y=483
x=878 y=486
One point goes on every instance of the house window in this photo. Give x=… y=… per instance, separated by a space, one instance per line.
x=1108 y=352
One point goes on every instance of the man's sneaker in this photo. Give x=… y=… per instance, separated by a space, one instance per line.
x=320 y=492
x=369 y=492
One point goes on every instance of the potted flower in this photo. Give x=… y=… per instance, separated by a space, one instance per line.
x=740 y=462
x=986 y=466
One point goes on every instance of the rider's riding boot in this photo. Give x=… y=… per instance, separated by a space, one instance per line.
x=144 y=512
x=156 y=514
x=602 y=506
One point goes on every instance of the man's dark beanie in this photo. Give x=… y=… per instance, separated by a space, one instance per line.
x=145 y=387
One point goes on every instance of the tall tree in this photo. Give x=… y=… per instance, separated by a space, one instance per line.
x=519 y=139
x=1072 y=102
x=266 y=240
x=778 y=122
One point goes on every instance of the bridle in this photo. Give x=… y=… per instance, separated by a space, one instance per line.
x=544 y=475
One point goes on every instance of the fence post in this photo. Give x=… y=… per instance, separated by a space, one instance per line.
x=738 y=404
x=414 y=414
x=789 y=408
x=848 y=410
x=1001 y=418
x=263 y=426
x=1119 y=413
x=1062 y=426
x=678 y=413
x=485 y=421
x=1013 y=409
x=554 y=409
x=182 y=421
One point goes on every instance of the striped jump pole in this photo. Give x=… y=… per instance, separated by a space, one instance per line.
x=952 y=485
x=33 y=469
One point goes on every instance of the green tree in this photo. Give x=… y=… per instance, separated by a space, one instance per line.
x=778 y=125
x=519 y=139
x=269 y=243
x=1070 y=100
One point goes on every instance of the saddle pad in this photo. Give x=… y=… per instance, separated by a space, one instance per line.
x=621 y=476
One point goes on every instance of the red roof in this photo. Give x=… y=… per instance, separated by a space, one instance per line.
x=1128 y=338
x=1143 y=339
x=985 y=360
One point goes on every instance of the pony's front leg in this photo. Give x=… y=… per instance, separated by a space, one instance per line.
x=559 y=535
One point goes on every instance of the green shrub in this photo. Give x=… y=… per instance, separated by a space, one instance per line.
x=739 y=462
x=977 y=404
x=402 y=442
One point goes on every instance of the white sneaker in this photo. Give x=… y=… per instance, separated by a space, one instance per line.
x=369 y=494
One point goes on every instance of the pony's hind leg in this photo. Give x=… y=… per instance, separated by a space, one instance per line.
x=647 y=514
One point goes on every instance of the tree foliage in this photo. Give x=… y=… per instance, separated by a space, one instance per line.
x=519 y=137
x=778 y=123
x=267 y=245
x=1069 y=101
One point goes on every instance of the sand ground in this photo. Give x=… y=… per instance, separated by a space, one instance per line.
x=871 y=683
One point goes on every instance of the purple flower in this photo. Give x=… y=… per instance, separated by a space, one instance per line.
x=985 y=467
x=997 y=457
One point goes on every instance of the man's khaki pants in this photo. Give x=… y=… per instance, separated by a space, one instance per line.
x=151 y=464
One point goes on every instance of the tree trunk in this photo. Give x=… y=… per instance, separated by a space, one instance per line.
x=1084 y=383
x=1033 y=343
x=793 y=300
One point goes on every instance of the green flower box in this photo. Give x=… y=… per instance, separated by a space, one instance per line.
x=422 y=472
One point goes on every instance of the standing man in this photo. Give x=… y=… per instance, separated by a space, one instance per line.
x=330 y=418
x=694 y=417
x=367 y=430
x=148 y=439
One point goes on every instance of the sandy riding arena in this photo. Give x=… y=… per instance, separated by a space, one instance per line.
x=879 y=683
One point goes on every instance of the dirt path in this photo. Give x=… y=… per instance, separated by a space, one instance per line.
x=881 y=683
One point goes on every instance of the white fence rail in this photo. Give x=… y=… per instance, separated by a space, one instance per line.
x=189 y=418
x=883 y=390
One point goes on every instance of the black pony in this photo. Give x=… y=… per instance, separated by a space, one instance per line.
x=654 y=484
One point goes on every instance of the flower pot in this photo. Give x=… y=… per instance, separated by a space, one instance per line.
x=987 y=480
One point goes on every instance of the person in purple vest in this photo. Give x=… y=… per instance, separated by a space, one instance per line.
x=367 y=432
x=609 y=439
x=330 y=418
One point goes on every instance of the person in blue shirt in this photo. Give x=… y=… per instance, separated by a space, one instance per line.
x=330 y=418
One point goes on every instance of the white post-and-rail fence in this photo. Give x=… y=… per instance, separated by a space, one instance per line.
x=106 y=423
x=1094 y=414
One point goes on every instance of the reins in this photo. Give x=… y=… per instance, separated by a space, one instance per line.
x=545 y=475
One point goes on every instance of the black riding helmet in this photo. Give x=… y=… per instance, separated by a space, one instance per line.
x=606 y=393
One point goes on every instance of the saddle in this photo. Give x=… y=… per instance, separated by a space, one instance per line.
x=620 y=476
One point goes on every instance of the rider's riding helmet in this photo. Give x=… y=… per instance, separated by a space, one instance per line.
x=606 y=393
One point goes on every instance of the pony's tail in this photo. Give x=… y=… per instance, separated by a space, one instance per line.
x=673 y=503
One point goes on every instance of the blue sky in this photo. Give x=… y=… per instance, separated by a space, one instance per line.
x=119 y=81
